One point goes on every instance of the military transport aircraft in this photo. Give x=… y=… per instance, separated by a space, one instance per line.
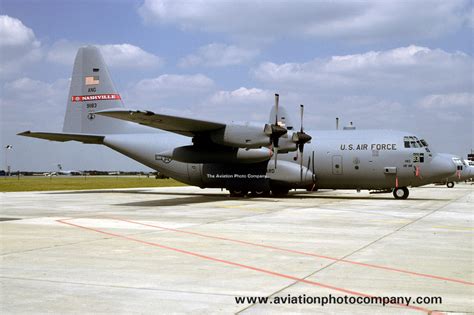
x=464 y=171
x=243 y=157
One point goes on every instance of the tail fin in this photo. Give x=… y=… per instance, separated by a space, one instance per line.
x=91 y=90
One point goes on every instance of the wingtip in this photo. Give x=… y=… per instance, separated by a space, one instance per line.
x=24 y=133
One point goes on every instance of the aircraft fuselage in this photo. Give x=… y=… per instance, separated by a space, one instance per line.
x=341 y=159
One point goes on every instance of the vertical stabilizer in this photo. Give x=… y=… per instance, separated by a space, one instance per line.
x=91 y=90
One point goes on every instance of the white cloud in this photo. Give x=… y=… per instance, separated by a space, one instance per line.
x=218 y=55
x=14 y=33
x=168 y=89
x=41 y=104
x=348 y=20
x=242 y=104
x=63 y=52
x=18 y=45
x=405 y=69
x=115 y=55
x=453 y=101
x=242 y=95
x=127 y=56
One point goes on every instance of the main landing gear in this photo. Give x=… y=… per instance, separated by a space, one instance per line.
x=280 y=192
x=450 y=184
x=401 y=193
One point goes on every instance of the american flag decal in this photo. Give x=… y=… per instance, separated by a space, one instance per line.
x=92 y=80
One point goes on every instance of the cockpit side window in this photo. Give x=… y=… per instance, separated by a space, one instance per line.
x=406 y=141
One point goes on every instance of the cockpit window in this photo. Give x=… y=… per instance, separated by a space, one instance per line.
x=406 y=140
x=413 y=142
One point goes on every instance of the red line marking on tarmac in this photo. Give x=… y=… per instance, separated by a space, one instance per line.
x=301 y=252
x=231 y=263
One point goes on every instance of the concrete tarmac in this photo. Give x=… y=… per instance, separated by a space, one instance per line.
x=186 y=250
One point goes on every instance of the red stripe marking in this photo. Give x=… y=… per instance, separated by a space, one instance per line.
x=95 y=97
x=228 y=262
x=300 y=252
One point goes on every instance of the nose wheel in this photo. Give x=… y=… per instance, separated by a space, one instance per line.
x=401 y=193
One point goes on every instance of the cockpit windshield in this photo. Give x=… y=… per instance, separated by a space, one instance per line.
x=413 y=142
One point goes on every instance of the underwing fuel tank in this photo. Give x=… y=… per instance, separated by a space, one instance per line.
x=193 y=154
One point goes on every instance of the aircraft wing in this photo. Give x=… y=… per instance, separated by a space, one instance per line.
x=180 y=125
x=59 y=136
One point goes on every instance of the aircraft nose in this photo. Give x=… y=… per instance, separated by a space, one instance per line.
x=443 y=166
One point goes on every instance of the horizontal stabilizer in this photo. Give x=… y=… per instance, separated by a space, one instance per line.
x=180 y=125
x=59 y=136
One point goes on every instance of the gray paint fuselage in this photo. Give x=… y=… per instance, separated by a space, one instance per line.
x=343 y=159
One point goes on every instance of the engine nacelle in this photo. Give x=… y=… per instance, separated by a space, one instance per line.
x=193 y=154
x=245 y=135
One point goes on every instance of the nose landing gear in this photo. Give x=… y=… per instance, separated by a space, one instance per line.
x=401 y=193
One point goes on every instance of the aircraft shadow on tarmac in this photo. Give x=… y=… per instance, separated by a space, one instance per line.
x=198 y=198
x=174 y=201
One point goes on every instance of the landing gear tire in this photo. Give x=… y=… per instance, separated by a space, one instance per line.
x=401 y=193
x=280 y=192
x=238 y=193
x=260 y=193
x=450 y=184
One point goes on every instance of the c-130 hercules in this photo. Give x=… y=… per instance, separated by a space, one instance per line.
x=243 y=157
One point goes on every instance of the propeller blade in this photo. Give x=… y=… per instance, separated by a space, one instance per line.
x=275 y=149
x=277 y=98
x=301 y=113
x=301 y=164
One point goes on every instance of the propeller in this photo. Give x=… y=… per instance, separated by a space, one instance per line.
x=300 y=138
x=275 y=131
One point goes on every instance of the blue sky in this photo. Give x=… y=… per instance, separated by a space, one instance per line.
x=403 y=65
